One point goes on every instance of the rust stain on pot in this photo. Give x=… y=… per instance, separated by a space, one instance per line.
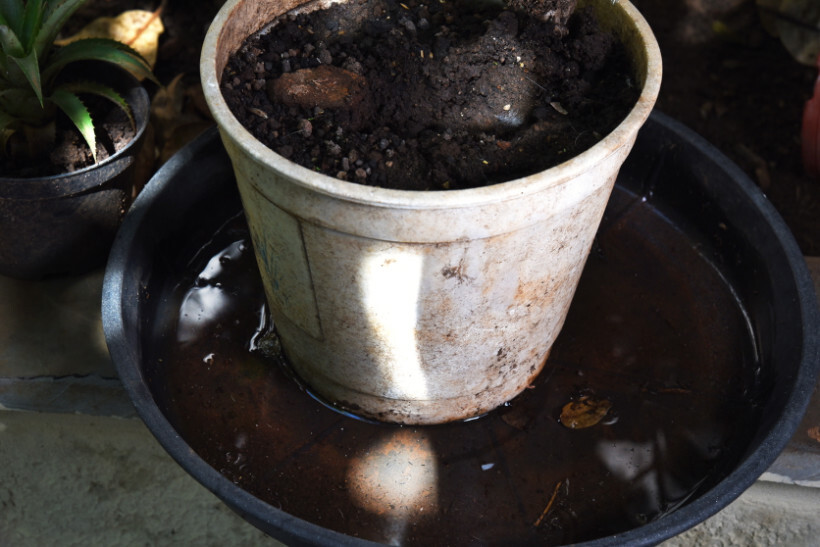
x=528 y=292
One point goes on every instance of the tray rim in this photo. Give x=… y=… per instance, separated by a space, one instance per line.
x=119 y=294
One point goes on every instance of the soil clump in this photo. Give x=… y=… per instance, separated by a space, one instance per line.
x=419 y=96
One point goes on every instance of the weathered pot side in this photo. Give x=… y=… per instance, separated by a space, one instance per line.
x=420 y=307
x=65 y=224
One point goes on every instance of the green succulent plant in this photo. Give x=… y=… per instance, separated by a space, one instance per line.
x=34 y=85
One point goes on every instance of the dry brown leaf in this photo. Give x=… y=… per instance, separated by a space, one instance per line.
x=585 y=412
x=796 y=22
x=168 y=101
x=139 y=29
x=177 y=116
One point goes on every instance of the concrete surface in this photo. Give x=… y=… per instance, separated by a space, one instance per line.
x=79 y=480
x=767 y=514
x=78 y=468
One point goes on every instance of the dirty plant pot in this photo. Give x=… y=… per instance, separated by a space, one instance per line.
x=420 y=307
x=65 y=224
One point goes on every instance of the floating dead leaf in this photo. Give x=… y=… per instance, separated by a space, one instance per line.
x=139 y=29
x=585 y=412
x=814 y=433
x=324 y=86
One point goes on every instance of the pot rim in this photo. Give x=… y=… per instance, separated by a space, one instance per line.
x=75 y=182
x=349 y=191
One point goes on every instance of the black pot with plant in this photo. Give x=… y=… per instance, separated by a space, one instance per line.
x=60 y=218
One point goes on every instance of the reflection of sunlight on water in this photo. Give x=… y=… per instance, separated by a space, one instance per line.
x=396 y=478
x=646 y=467
x=206 y=301
x=201 y=306
x=626 y=460
x=390 y=282
x=635 y=464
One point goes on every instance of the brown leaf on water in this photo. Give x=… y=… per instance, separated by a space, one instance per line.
x=139 y=29
x=814 y=433
x=585 y=412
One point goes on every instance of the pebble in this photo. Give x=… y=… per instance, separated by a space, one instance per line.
x=333 y=149
x=305 y=127
x=325 y=57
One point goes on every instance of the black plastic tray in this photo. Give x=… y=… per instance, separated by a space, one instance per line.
x=692 y=264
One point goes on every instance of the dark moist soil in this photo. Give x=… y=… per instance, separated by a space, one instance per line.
x=69 y=151
x=428 y=96
x=742 y=91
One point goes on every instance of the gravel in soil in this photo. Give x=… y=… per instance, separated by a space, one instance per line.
x=431 y=96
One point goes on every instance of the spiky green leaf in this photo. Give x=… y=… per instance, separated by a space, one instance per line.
x=12 y=12
x=98 y=49
x=23 y=103
x=10 y=42
x=104 y=91
x=30 y=68
x=31 y=23
x=78 y=114
x=55 y=16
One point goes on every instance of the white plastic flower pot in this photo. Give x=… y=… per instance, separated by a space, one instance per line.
x=420 y=307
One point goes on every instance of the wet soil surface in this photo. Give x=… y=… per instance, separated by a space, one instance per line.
x=422 y=96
